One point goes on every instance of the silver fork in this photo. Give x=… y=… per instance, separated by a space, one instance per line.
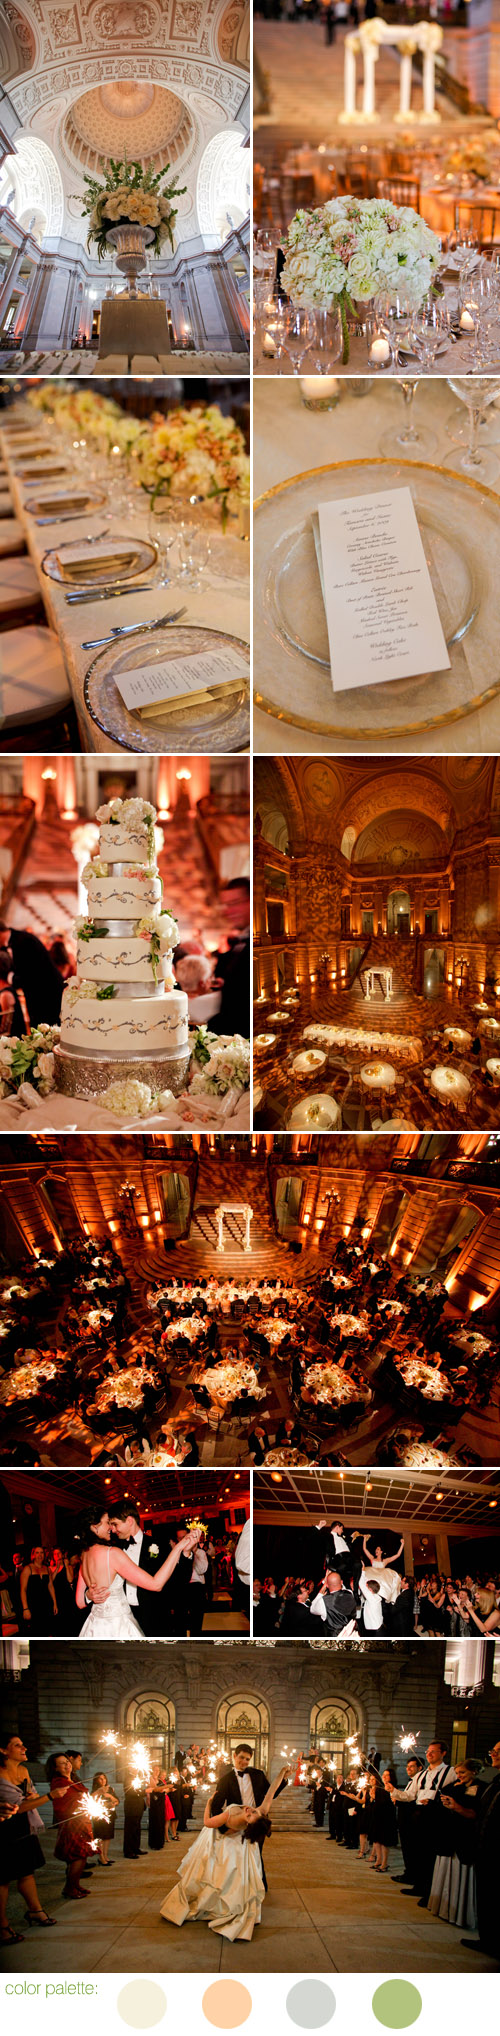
x=133 y=629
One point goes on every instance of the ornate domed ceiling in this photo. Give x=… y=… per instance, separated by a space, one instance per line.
x=126 y=117
x=399 y=838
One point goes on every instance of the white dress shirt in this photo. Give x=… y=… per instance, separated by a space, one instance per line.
x=134 y=1550
x=200 y=1566
x=242 y=1553
x=246 y=1790
x=429 y=1786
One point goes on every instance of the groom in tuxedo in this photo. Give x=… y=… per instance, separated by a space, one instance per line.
x=242 y=1783
x=149 y=1607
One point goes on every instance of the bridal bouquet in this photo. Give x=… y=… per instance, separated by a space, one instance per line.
x=352 y=249
x=131 y=196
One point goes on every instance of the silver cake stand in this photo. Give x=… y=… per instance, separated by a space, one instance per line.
x=86 y=1074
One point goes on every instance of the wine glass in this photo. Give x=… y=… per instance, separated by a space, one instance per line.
x=474 y=460
x=299 y=334
x=328 y=340
x=411 y=442
x=165 y=523
x=194 y=553
x=430 y=325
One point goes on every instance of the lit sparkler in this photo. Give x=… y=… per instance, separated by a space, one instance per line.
x=408 y=1740
x=110 y=1739
x=93 y=1807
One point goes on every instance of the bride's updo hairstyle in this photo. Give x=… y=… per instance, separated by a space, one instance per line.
x=86 y=1532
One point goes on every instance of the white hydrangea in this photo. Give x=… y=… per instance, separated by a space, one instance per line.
x=128 y=1098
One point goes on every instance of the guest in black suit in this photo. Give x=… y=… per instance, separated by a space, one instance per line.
x=242 y=1783
x=152 y=1608
x=34 y=974
x=232 y=967
x=342 y=1550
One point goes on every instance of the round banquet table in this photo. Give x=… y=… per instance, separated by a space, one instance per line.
x=450 y=1086
x=378 y=1075
x=290 y=1457
x=393 y=1124
x=264 y=1041
x=459 y=1037
x=308 y=1063
x=493 y=1069
x=332 y=1393
x=124 y=1389
x=224 y=1382
x=319 y=1112
x=424 y=1456
x=281 y=1017
x=424 y=1379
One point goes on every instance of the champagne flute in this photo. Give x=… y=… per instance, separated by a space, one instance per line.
x=475 y=460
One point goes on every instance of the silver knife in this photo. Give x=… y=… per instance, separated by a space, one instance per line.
x=133 y=629
x=107 y=593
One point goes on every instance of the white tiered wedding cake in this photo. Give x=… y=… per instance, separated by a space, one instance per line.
x=122 y=1013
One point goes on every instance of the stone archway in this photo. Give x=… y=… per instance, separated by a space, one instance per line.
x=332 y=1724
x=223 y=186
x=32 y=174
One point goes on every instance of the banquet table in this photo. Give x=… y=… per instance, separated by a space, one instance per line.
x=400 y=1044
x=290 y=440
x=327 y=1384
x=224 y=1383
x=219 y=603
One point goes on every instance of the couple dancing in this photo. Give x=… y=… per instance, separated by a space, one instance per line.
x=111 y=1577
x=221 y=1880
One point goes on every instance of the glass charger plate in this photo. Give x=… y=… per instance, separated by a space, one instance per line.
x=49 y=499
x=47 y=473
x=459 y=522
x=218 y=726
x=144 y=556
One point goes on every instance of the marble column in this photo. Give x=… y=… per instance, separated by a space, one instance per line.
x=10 y=278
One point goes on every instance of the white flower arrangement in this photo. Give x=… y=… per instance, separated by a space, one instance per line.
x=225 y=1064
x=131 y=1098
x=352 y=249
x=142 y=928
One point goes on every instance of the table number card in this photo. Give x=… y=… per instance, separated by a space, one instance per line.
x=382 y=618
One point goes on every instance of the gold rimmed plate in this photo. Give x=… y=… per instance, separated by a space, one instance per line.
x=219 y=725
x=459 y=521
x=131 y=556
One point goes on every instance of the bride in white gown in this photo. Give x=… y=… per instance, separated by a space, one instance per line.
x=220 y=1878
x=104 y=1571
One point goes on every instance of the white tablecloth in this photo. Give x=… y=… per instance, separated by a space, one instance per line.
x=69 y=1113
x=217 y=605
x=288 y=440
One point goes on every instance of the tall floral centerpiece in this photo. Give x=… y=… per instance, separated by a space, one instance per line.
x=351 y=249
x=131 y=212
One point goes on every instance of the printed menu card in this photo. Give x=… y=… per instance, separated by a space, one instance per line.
x=382 y=617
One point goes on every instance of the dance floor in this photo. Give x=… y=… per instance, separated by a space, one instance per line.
x=321 y=1915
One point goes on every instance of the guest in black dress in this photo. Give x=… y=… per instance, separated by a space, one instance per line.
x=38 y=1596
x=104 y=1827
x=384 y=1825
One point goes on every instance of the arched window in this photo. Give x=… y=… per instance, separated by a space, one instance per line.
x=331 y=1725
x=244 y=1717
x=150 y=1717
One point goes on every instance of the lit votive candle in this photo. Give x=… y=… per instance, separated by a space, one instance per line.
x=268 y=345
x=379 y=352
x=319 y=392
x=466 y=321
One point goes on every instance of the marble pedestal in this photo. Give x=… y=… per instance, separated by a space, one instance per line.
x=133 y=325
